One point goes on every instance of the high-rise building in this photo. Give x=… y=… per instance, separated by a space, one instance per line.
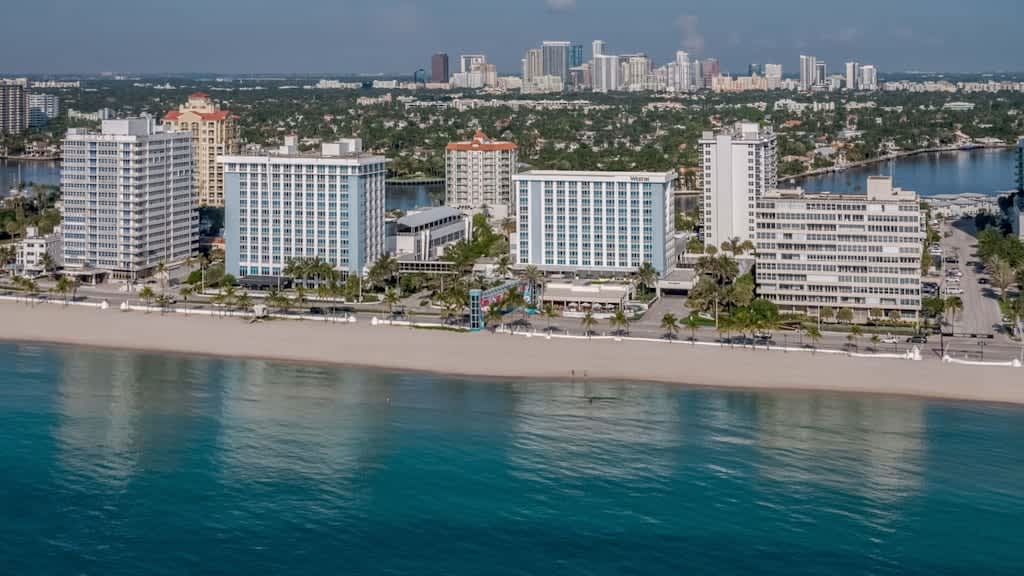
x=607 y=73
x=860 y=252
x=683 y=79
x=439 y=68
x=479 y=172
x=419 y=76
x=820 y=73
x=868 y=77
x=594 y=221
x=471 y=62
x=598 y=48
x=533 y=65
x=739 y=165
x=711 y=70
x=697 y=70
x=490 y=75
x=808 y=71
x=773 y=76
x=755 y=69
x=42 y=108
x=14 y=113
x=575 y=55
x=215 y=133
x=287 y=204
x=129 y=201
x=557 y=59
x=637 y=70
x=852 y=76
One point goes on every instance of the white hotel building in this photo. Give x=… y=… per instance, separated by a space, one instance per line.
x=128 y=198
x=594 y=221
x=289 y=205
x=738 y=166
x=856 y=251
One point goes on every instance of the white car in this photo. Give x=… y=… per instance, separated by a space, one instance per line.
x=890 y=339
x=954 y=290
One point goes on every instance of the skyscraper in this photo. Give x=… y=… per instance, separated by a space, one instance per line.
x=556 y=59
x=757 y=69
x=14 y=113
x=533 y=65
x=820 y=73
x=140 y=216
x=598 y=48
x=773 y=76
x=471 y=62
x=214 y=133
x=868 y=77
x=439 y=68
x=852 y=76
x=479 y=173
x=808 y=70
x=575 y=55
x=327 y=205
x=42 y=108
x=711 y=70
x=739 y=166
x=683 y=75
x=607 y=73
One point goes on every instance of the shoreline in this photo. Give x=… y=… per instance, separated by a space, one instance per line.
x=501 y=356
x=897 y=156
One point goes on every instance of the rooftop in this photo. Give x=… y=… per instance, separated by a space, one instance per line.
x=880 y=188
x=666 y=176
x=481 y=142
x=428 y=216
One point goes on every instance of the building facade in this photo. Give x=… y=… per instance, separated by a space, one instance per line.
x=439 y=68
x=856 y=251
x=479 y=172
x=30 y=257
x=214 y=133
x=129 y=199
x=557 y=59
x=13 y=107
x=42 y=108
x=739 y=165
x=594 y=221
x=808 y=71
x=286 y=205
x=423 y=235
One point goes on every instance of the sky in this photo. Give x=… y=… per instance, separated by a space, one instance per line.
x=398 y=36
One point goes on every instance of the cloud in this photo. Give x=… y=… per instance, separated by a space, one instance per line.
x=560 y=6
x=692 y=39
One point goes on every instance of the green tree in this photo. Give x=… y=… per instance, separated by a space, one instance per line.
x=390 y=299
x=589 y=323
x=63 y=288
x=814 y=334
x=147 y=295
x=953 y=306
x=826 y=314
x=845 y=315
x=550 y=313
x=620 y=322
x=1002 y=275
x=646 y=276
x=670 y=324
x=692 y=324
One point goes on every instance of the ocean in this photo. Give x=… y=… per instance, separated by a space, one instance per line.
x=130 y=463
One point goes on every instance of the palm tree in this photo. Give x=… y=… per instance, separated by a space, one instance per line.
x=300 y=297
x=503 y=266
x=737 y=246
x=692 y=324
x=508 y=227
x=244 y=301
x=185 y=292
x=383 y=271
x=63 y=288
x=646 y=276
x=493 y=317
x=875 y=340
x=670 y=324
x=814 y=334
x=161 y=273
x=621 y=322
x=588 y=322
x=535 y=278
x=390 y=299
x=854 y=337
x=48 y=264
x=953 y=306
x=147 y=295
x=1002 y=275
x=550 y=313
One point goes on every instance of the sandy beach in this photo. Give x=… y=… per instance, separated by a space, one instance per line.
x=504 y=356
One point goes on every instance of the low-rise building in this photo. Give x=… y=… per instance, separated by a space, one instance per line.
x=855 y=251
x=31 y=253
x=424 y=234
x=599 y=222
x=42 y=108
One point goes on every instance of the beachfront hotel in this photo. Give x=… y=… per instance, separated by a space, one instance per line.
x=856 y=251
x=738 y=166
x=214 y=133
x=128 y=198
x=478 y=173
x=290 y=204
x=594 y=221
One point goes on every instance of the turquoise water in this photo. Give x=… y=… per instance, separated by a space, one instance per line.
x=123 y=463
x=983 y=171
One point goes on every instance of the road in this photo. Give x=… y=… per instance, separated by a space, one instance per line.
x=981 y=313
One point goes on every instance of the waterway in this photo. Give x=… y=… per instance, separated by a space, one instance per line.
x=983 y=171
x=35 y=172
x=128 y=463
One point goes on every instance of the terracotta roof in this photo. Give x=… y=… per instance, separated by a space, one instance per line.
x=218 y=115
x=481 y=142
x=200 y=95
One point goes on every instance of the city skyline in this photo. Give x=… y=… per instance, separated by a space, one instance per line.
x=912 y=36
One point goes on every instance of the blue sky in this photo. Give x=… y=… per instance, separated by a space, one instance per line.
x=335 y=36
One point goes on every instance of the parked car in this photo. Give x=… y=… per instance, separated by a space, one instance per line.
x=889 y=339
x=763 y=335
x=982 y=280
x=918 y=339
x=954 y=290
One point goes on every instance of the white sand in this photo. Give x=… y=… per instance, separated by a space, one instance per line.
x=485 y=354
